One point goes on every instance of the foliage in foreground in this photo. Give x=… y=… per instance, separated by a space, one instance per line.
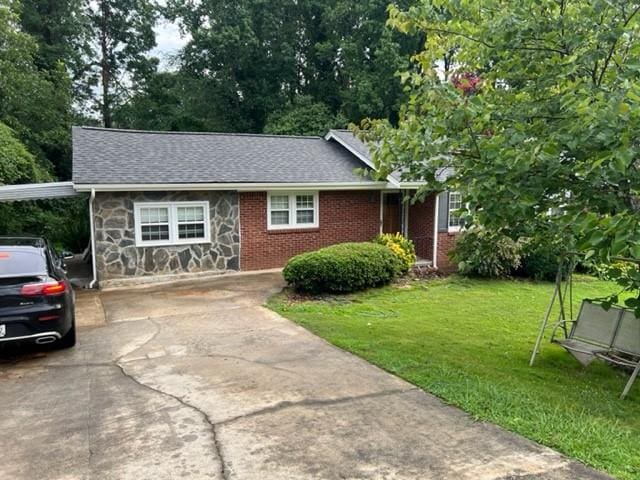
x=535 y=105
x=346 y=267
x=469 y=341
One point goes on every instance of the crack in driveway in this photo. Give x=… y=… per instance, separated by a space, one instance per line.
x=311 y=402
x=213 y=426
x=203 y=414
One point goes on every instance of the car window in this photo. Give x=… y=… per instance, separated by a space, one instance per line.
x=22 y=262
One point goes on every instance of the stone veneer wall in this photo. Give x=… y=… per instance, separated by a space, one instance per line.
x=118 y=257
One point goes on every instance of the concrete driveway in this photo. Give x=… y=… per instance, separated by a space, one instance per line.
x=202 y=382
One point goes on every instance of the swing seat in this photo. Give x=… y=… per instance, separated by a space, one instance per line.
x=592 y=332
x=625 y=349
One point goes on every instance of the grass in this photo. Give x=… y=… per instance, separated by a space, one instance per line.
x=469 y=342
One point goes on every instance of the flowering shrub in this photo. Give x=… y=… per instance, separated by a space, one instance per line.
x=402 y=247
x=467 y=82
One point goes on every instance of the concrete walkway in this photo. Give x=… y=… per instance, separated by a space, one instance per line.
x=202 y=382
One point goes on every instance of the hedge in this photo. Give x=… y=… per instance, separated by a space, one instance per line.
x=342 y=268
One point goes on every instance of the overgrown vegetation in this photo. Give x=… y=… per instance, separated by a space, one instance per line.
x=342 y=268
x=468 y=341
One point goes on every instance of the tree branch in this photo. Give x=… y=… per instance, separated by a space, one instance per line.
x=613 y=47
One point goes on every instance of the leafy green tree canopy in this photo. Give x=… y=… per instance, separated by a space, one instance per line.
x=304 y=117
x=35 y=103
x=538 y=115
x=17 y=165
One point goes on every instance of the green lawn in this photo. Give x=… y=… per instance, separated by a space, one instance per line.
x=469 y=342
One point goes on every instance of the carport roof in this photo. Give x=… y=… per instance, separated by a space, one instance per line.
x=112 y=156
x=36 y=191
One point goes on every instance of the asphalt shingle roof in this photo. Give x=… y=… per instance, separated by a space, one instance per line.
x=353 y=142
x=111 y=156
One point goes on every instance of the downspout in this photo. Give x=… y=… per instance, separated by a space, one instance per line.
x=435 y=231
x=93 y=240
x=405 y=214
x=381 y=212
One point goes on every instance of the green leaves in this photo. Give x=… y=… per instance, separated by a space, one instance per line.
x=550 y=142
x=17 y=165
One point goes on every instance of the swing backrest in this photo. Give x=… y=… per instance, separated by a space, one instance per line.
x=596 y=325
x=628 y=335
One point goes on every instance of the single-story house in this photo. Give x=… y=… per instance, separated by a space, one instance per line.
x=166 y=203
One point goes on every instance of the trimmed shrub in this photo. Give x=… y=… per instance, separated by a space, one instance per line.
x=483 y=253
x=402 y=247
x=342 y=268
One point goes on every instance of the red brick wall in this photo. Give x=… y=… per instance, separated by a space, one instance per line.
x=420 y=226
x=446 y=242
x=345 y=216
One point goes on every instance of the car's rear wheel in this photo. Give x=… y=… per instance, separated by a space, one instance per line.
x=69 y=339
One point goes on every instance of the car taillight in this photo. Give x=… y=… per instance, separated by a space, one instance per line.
x=50 y=288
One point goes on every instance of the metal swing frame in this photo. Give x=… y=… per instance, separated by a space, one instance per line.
x=611 y=334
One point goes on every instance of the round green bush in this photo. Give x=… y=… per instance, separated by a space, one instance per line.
x=482 y=253
x=342 y=268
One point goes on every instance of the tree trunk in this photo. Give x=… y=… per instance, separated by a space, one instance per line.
x=105 y=67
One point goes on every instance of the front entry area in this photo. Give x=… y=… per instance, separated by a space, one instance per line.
x=414 y=220
x=391 y=213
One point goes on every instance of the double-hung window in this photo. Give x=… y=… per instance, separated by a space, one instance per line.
x=455 y=204
x=171 y=223
x=292 y=210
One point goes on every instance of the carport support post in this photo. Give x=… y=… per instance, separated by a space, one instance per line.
x=93 y=239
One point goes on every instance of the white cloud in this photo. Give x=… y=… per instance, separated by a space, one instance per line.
x=169 y=42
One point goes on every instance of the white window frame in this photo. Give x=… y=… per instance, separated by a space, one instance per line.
x=453 y=228
x=173 y=223
x=293 y=224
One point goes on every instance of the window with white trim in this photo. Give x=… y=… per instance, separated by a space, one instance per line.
x=292 y=210
x=455 y=204
x=171 y=223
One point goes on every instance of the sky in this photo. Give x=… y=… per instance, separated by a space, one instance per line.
x=169 y=41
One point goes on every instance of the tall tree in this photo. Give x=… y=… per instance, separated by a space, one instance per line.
x=303 y=116
x=258 y=56
x=122 y=35
x=35 y=103
x=245 y=51
x=541 y=116
x=61 y=32
x=173 y=101
x=358 y=57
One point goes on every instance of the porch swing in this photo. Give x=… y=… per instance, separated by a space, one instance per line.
x=610 y=334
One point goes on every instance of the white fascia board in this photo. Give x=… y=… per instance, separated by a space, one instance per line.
x=365 y=160
x=331 y=136
x=241 y=187
x=412 y=184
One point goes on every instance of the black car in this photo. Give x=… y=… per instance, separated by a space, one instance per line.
x=36 y=298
